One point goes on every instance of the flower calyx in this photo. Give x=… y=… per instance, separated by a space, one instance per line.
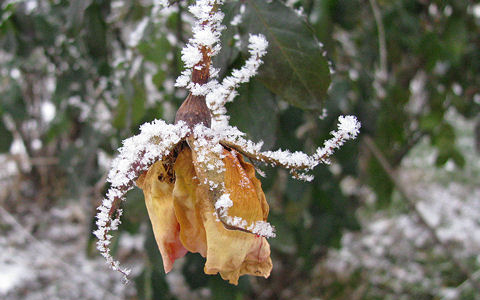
x=194 y=111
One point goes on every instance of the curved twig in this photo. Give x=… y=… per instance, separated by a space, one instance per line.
x=382 y=45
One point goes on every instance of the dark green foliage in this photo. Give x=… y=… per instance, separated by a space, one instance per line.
x=255 y=112
x=6 y=138
x=295 y=67
x=101 y=91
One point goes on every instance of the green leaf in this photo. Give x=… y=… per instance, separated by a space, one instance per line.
x=76 y=12
x=255 y=112
x=229 y=52
x=295 y=67
x=456 y=38
x=155 y=50
x=138 y=103
x=458 y=158
x=6 y=138
x=121 y=113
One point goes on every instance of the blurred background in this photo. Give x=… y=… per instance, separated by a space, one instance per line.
x=395 y=216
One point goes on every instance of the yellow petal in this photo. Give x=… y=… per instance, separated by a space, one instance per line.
x=157 y=186
x=192 y=232
x=257 y=262
x=244 y=188
x=231 y=252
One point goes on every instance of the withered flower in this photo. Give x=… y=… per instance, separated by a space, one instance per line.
x=191 y=197
x=201 y=194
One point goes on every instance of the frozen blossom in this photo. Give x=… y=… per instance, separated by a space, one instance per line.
x=157 y=140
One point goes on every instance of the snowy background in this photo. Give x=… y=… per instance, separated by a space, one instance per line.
x=78 y=77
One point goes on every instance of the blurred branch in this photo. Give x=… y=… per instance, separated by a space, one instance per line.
x=44 y=161
x=475 y=275
x=308 y=7
x=382 y=47
x=416 y=137
x=411 y=202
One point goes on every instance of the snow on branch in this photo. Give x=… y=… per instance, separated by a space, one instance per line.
x=197 y=54
x=225 y=92
x=155 y=141
x=204 y=44
x=260 y=228
x=348 y=128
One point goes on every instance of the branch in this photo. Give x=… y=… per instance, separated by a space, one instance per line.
x=411 y=202
x=382 y=48
x=348 y=128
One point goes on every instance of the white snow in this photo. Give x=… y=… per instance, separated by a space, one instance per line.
x=48 y=111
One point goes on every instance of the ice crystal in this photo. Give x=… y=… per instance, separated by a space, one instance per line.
x=155 y=141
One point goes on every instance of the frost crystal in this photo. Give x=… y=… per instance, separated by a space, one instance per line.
x=223 y=203
x=155 y=141
x=349 y=125
x=348 y=128
x=191 y=56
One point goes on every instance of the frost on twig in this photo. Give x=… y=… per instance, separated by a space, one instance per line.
x=348 y=128
x=155 y=141
x=225 y=92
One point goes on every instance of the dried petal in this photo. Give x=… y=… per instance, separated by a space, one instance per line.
x=157 y=186
x=232 y=252
x=185 y=212
x=192 y=232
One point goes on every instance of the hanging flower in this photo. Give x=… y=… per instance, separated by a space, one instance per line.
x=185 y=215
x=201 y=195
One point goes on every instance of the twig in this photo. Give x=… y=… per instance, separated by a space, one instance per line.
x=421 y=219
x=475 y=275
x=44 y=161
x=382 y=47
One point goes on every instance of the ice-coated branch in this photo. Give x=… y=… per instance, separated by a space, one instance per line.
x=204 y=44
x=155 y=141
x=197 y=55
x=348 y=128
x=260 y=228
x=225 y=92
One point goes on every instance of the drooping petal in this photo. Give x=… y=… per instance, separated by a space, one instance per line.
x=192 y=231
x=243 y=186
x=157 y=185
x=233 y=253
x=257 y=262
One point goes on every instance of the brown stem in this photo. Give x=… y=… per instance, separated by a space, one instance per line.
x=194 y=109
